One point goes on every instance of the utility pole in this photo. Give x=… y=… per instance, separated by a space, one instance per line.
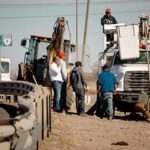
x=76 y=30
x=0 y=65
x=85 y=30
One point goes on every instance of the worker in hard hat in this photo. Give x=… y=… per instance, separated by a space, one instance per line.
x=62 y=57
x=108 y=19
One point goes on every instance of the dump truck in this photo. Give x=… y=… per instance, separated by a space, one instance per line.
x=128 y=56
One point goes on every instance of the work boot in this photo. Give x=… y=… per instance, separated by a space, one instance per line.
x=110 y=118
x=81 y=114
x=148 y=120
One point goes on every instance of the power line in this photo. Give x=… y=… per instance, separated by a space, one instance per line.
x=70 y=4
x=73 y=15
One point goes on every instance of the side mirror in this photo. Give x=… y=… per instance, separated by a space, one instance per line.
x=66 y=45
x=23 y=42
x=27 y=53
x=25 y=56
x=102 y=62
x=73 y=47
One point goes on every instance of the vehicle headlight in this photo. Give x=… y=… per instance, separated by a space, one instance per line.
x=119 y=80
x=119 y=76
x=119 y=84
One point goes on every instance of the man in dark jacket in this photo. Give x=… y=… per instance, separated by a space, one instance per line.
x=78 y=83
x=108 y=19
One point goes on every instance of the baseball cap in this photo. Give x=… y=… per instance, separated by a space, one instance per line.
x=61 y=54
x=108 y=10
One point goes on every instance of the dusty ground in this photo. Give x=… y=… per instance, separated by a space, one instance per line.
x=73 y=132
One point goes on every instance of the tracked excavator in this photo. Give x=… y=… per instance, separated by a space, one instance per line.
x=40 y=53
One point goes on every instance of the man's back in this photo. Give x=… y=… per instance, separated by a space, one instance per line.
x=77 y=78
x=107 y=81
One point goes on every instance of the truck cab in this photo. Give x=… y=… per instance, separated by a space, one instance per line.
x=131 y=73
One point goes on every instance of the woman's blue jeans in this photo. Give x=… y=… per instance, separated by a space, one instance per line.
x=57 y=86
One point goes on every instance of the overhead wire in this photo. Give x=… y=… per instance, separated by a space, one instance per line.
x=60 y=4
x=71 y=15
x=95 y=3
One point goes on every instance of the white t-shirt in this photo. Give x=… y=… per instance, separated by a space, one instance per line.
x=63 y=69
x=55 y=72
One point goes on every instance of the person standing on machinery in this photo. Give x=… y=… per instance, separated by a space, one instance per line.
x=108 y=19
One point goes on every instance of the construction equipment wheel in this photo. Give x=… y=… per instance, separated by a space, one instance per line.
x=4 y=114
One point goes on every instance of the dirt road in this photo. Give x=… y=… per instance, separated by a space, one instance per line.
x=72 y=132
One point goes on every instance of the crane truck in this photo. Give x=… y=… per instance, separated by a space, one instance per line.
x=128 y=56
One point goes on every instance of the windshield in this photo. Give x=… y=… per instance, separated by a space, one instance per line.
x=141 y=60
x=36 y=50
x=4 y=67
x=42 y=49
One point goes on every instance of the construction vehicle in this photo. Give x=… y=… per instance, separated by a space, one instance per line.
x=128 y=56
x=41 y=51
x=25 y=108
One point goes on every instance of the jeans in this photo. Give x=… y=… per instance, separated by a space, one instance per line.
x=64 y=96
x=57 y=86
x=106 y=104
x=80 y=98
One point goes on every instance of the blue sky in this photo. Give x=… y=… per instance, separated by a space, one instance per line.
x=21 y=18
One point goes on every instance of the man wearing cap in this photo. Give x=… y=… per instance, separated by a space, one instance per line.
x=56 y=81
x=108 y=19
x=106 y=84
x=61 y=55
